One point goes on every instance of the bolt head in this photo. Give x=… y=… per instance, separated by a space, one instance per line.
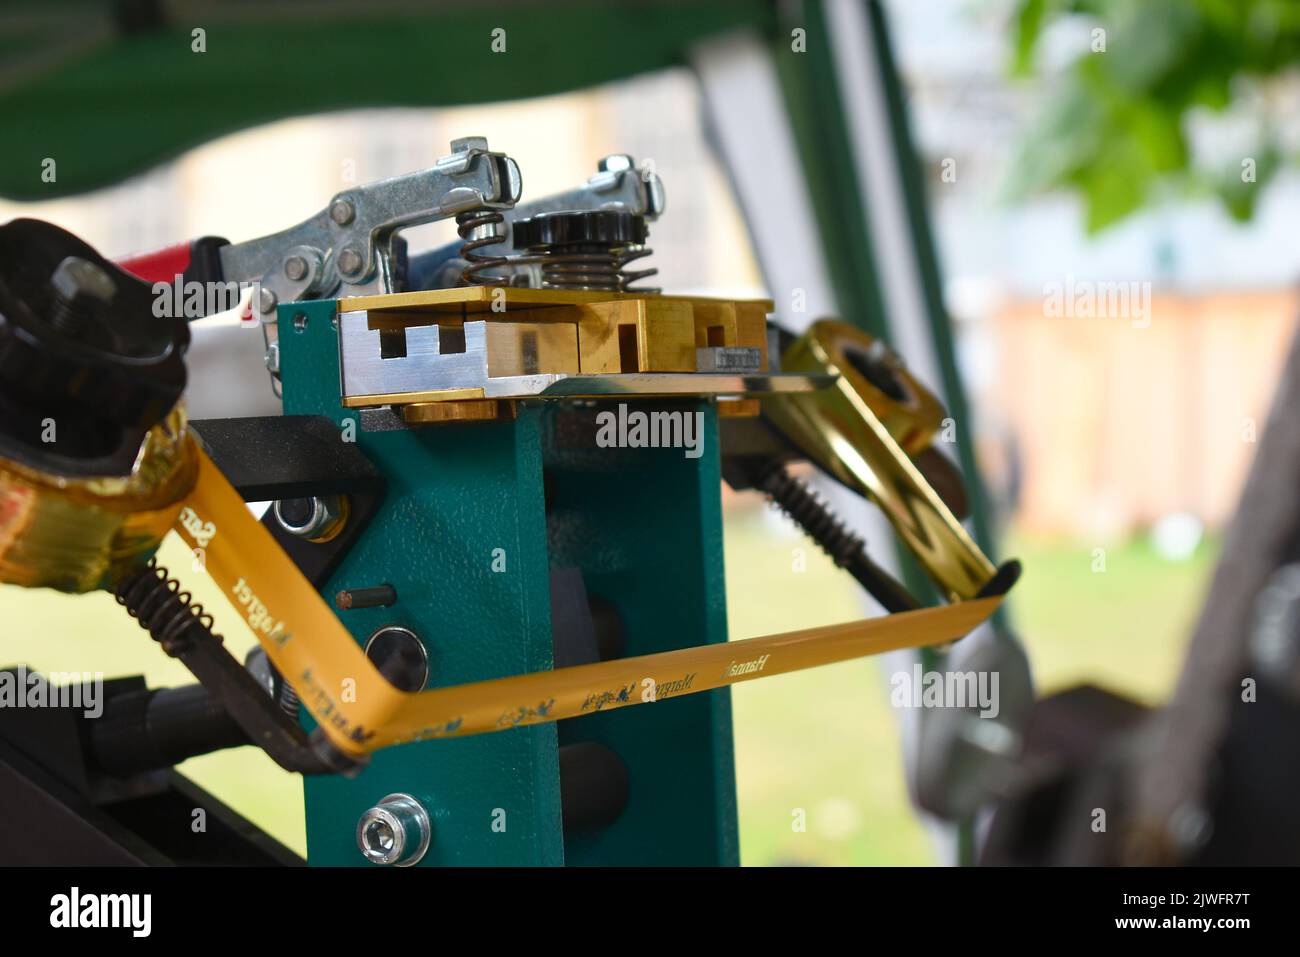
x=382 y=840
x=295 y=268
x=317 y=519
x=76 y=277
x=350 y=262
x=616 y=163
x=342 y=212
x=266 y=301
x=396 y=831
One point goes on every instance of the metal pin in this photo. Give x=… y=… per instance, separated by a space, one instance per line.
x=377 y=596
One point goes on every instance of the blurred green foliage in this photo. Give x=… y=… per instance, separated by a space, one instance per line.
x=1114 y=128
x=827 y=740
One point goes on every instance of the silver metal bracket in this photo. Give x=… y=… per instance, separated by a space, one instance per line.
x=347 y=249
x=425 y=367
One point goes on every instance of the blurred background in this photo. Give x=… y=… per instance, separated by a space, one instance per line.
x=1057 y=164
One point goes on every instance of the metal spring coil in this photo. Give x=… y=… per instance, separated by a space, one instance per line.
x=599 y=269
x=167 y=613
x=468 y=224
x=810 y=512
x=289 y=701
x=630 y=254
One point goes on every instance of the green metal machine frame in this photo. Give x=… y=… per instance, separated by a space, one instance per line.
x=475 y=518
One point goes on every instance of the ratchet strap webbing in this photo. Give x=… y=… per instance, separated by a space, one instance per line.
x=361 y=712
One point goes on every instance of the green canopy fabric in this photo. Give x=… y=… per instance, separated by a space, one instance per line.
x=110 y=89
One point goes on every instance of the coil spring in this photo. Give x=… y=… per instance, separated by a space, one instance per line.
x=169 y=614
x=289 y=701
x=630 y=254
x=810 y=512
x=468 y=224
x=599 y=268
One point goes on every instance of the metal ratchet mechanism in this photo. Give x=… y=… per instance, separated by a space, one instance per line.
x=351 y=248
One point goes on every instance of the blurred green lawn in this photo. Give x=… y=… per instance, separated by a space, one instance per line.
x=824 y=741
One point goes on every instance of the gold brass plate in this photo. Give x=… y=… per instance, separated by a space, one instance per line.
x=843 y=429
x=463 y=410
x=564 y=332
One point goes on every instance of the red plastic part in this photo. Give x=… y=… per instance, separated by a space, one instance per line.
x=161 y=265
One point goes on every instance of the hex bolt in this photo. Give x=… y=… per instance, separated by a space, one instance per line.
x=75 y=277
x=295 y=268
x=350 y=262
x=79 y=287
x=342 y=212
x=317 y=519
x=395 y=832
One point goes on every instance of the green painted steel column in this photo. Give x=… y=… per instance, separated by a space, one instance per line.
x=645 y=527
x=476 y=517
x=461 y=535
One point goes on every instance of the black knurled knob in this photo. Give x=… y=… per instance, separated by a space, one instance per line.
x=601 y=227
x=81 y=344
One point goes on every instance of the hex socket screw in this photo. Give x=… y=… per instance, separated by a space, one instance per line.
x=395 y=832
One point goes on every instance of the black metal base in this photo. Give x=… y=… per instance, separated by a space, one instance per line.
x=58 y=808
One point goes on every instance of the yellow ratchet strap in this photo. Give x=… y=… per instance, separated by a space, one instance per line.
x=361 y=712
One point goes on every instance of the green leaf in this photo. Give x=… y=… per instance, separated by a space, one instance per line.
x=1029 y=27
